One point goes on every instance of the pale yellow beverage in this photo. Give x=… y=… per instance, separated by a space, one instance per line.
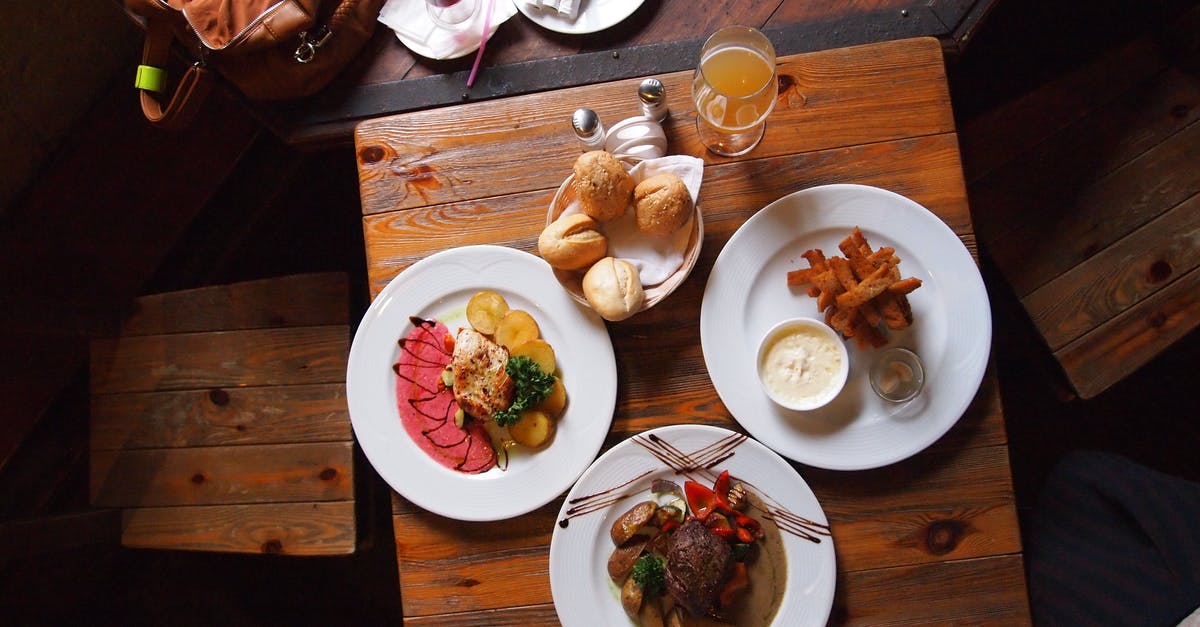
x=735 y=88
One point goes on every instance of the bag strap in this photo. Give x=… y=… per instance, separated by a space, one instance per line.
x=189 y=95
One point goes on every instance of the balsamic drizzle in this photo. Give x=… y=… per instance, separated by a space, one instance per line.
x=702 y=460
x=599 y=500
x=698 y=466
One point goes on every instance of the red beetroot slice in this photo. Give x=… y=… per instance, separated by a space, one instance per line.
x=427 y=409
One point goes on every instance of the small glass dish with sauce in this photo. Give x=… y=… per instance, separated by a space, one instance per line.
x=897 y=375
x=802 y=364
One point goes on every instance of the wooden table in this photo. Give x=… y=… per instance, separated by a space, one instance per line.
x=931 y=539
x=659 y=37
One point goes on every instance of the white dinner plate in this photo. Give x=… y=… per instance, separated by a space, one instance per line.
x=438 y=287
x=747 y=293
x=579 y=582
x=593 y=15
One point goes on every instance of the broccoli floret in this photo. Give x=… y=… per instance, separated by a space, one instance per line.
x=649 y=572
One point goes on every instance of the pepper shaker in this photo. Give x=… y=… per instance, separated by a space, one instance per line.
x=588 y=128
x=653 y=97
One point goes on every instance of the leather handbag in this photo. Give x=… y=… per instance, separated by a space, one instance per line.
x=267 y=49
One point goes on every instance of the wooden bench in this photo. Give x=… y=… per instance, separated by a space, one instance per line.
x=1086 y=196
x=219 y=419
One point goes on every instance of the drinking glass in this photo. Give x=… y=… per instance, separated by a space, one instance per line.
x=452 y=14
x=734 y=89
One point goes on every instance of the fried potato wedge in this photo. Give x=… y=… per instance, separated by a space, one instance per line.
x=862 y=293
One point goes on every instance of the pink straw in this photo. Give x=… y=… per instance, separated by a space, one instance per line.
x=483 y=37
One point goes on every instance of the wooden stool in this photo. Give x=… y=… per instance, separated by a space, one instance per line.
x=219 y=419
x=1086 y=195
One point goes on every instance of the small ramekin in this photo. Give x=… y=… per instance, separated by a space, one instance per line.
x=836 y=383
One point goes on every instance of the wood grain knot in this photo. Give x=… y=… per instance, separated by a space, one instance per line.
x=218 y=397
x=1158 y=319
x=467 y=583
x=1181 y=111
x=199 y=478
x=786 y=82
x=370 y=154
x=942 y=536
x=329 y=474
x=273 y=547
x=1159 y=271
x=789 y=93
x=420 y=176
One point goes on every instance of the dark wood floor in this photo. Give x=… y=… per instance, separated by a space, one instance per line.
x=311 y=222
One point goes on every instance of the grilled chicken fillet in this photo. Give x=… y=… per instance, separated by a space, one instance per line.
x=481 y=386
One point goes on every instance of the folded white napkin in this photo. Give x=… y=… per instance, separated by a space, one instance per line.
x=655 y=257
x=566 y=8
x=636 y=139
x=416 y=30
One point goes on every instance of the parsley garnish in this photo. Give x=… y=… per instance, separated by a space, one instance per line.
x=532 y=387
x=649 y=572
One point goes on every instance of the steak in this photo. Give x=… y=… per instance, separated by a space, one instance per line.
x=481 y=386
x=698 y=563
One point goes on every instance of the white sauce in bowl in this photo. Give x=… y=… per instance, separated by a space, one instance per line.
x=802 y=364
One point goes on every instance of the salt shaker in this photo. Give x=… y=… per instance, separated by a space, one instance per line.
x=653 y=97
x=588 y=128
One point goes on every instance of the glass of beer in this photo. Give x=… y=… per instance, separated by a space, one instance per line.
x=734 y=89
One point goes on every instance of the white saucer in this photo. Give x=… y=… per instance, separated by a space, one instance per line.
x=413 y=27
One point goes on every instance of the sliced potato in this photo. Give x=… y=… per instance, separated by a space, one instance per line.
x=631 y=522
x=556 y=402
x=540 y=352
x=484 y=311
x=631 y=597
x=651 y=614
x=516 y=327
x=533 y=429
x=621 y=560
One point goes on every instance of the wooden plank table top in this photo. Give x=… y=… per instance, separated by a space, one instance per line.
x=933 y=538
x=661 y=36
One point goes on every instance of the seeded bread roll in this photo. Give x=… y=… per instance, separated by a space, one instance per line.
x=662 y=204
x=603 y=185
x=614 y=289
x=572 y=242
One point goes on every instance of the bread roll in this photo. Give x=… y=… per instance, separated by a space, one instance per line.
x=614 y=289
x=572 y=242
x=603 y=185
x=662 y=204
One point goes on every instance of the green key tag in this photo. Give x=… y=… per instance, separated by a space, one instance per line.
x=150 y=78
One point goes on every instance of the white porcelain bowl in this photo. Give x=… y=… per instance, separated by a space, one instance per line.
x=802 y=364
